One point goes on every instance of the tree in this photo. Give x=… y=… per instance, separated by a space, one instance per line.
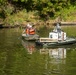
x=44 y=7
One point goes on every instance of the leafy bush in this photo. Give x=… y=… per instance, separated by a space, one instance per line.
x=21 y=17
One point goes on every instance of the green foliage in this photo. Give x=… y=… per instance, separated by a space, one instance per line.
x=45 y=8
x=21 y=18
x=3 y=2
x=8 y=10
x=69 y=14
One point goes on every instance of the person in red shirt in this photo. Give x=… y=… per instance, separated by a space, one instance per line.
x=29 y=30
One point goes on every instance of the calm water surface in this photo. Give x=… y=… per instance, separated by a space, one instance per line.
x=19 y=57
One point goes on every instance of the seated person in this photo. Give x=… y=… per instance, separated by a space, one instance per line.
x=29 y=30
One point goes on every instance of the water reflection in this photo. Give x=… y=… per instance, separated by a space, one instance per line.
x=55 y=60
x=30 y=46
x=57 y=53
x=51 y=61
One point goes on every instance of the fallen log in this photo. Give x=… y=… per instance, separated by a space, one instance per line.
x=68 y=23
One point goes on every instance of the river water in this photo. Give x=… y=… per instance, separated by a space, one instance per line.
x=20 y=57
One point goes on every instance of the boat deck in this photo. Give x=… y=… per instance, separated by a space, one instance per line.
x=47 y=40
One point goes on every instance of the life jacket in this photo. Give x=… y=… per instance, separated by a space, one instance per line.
x=32 y=31
x=27 y=31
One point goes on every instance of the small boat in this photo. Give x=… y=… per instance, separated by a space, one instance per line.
x=56 y=38
x=30 y=34
x=30 y=37
x=68 y=41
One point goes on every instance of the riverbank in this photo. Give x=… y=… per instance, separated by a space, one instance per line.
x=2 y=26
x=39 y=24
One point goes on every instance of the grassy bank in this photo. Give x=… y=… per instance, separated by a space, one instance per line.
x=23 y=17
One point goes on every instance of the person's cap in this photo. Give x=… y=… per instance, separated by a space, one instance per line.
x=28 y=25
